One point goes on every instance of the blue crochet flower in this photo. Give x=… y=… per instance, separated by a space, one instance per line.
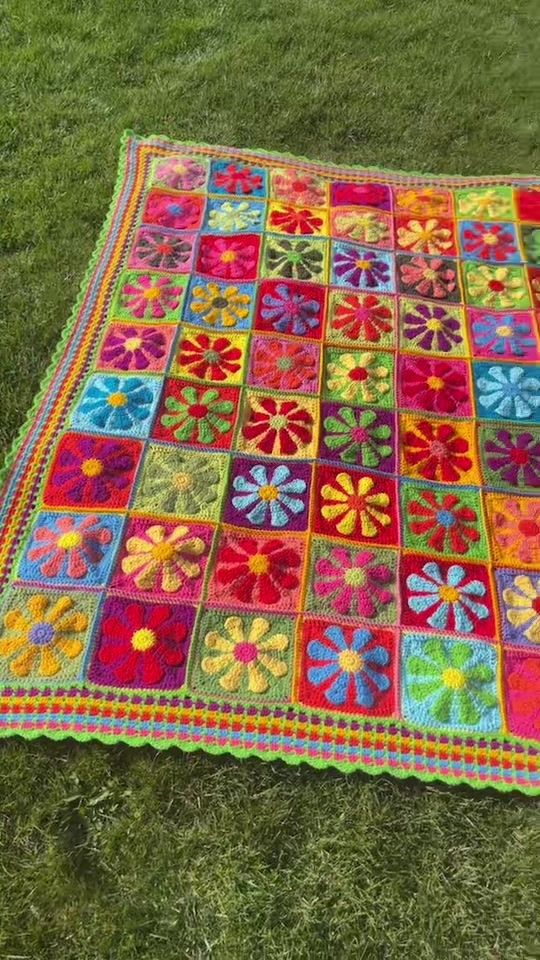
x=347 y=668
x=450 y=597
x=290 y=311
x=510 y=392
x=505 y=334
x=117 y=404
x=269 y=494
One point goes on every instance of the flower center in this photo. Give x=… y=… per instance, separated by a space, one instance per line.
x=294 y=257
x=454 y=679
x=358 y=373
x=183 y=481
x=434 y=324
x=229 y=256
x=220 y=303
x=536 y=605
x=151 y=294
x=198 y=411
x=164 y=248
x=438 y=449
x=278 y=422
x=143 y=639
x=133 y=343
x=69 y=541
x=269 y=492
x=245 y=652
x=350 y=661
x=92 y=467
x=496 y=286
x=504 y=330
x=519 y=456
x=41 y=634
x=491 y=239
x=212 y=356
x=355 y=577
x=285 y=363
x=258 y=564
x=117 y=400
x=298 y=186
x=529 y=528
x=448 y=594
x=177 y=209
x=435 y=383
x=362 y=264
x=446 y=518
x=163 y=552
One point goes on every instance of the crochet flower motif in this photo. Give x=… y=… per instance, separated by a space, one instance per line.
x=42 y=637
x=209 y=358
x=143 y=646
x=452 y=598
x=515 y=458
x=230 y=216
x=149 y=297
x=362 y=317
x=133 y=348
x=301 y=189
x=117 y=404
x=355 y=584
x=355 y=505
x=198 y=415
x=453 y=681
x=424 y=202
x=426 y=236
x=288 y=310
x=92 y=470
x=341 y=667
x=447 y=523
x=173 y=211
x=497 y=287
x=434 y=385
x=180 y=173
x=437 y=451
x=358 y=378
x=228 y=258
x=363 y=226
x=161 y=251
x=509 y=392
x=489 y=241
x=163 y=560
x=269 y=495
x=258 y=572
x=516 y=530
x=284 y=365
x=278 y=426
x=484 y=203
x=431 y=328
x=220 y=306
x=361 y=268
x=532 y=245
x=238 y=178
x=294 y=259
x=69 y=547
x=506 y=335
x=252 y=655
x=295 y=220
x=177 y=484
x=429 y=278
x=358 y=437
x=523 y=684
x=522 y=601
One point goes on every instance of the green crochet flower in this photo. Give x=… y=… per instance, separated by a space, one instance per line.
x=181 y=484
x=198 y=415
x=358 y=436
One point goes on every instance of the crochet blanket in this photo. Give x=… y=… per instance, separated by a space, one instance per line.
x=277 y=494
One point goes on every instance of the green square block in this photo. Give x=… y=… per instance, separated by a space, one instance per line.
x=443 y=522
x=247 y=657
x=44 y=637
x=353 y=582
x=295 y=258
x=359 y=377
x=181 y=483
x=145 y=296
x=496 y=287
x=485 y=203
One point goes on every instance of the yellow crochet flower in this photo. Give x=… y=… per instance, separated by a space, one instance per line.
x=425 y=237
x=154 y=557
x=238 y=656
x=495 y=286
x=523 y=606
x=40 y=636
x=355 y=507
x=427 y=202
x=358 y=378
x=361 y=225
x=218 y=306
x=484 y=203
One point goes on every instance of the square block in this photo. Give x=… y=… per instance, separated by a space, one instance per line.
x=234 y=216
x=514 y=526
x=233 y=258
x=435 y=384
x=489 y=242
x=446 y=595
x=257 y=572
x=375 y=195
x=296 y=186
x=432 y=328
x=181 y=483
x=450 y=684
x=297 y=221
x=297 y=309
x=436 y=521
x=196 y=414
x=92 y=472
x=533 y=278
x=366 y=226
x=441 y=450
x=294 y=258
x=510 y=456
x=433 y=277
x=249 y=656
x=507 y=392
x=220 y=306
x=496 y=288
x=423 y=202
x=361 y=319
x=268 y=495
x=123 y=406
x=528 y=204
x=351 y=670
x=490 y=203
x=180 y=172
x=141 y=646
x=356 y=506
x=214 y=358
x=175 y=211
x=360 y=268
x=284 y=364
x=507 y=335
x=136 y=348
x=358 y=436
x=354 y=582
x=148 y=296
x=356 y=377
x=155 y=249
x=530 y=239
x=521 y=686
x=237 y=179
x=164 y=559
x=434 y=236
x=285 y=426
x=519 y=598
x=77 y=550
x=44 y=636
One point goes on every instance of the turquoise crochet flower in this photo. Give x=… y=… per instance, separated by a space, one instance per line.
x=117 y=404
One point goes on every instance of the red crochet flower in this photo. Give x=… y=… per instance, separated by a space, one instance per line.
x=452 y=525
x=209 y=358
x=523 y=686
x=139 y=644
x=293 y=220
x=434 y=385
x=278 y=426
x=362 y=317
x=284 y=365
x=235 y=178
x=174 y=210
x=230 y=258
x=436 y=451
x=258 y=571
x=92 y=471
x=489 y=241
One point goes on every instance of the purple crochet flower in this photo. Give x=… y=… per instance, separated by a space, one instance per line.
x=290 y=311
x=432 y=328
x=361 y=267
x=515 y=459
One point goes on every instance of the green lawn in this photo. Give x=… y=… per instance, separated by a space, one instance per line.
x=136 y=855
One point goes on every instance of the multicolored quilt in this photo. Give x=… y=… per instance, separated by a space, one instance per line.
x=279 y=493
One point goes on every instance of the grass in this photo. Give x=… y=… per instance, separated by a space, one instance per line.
x=120 y=853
